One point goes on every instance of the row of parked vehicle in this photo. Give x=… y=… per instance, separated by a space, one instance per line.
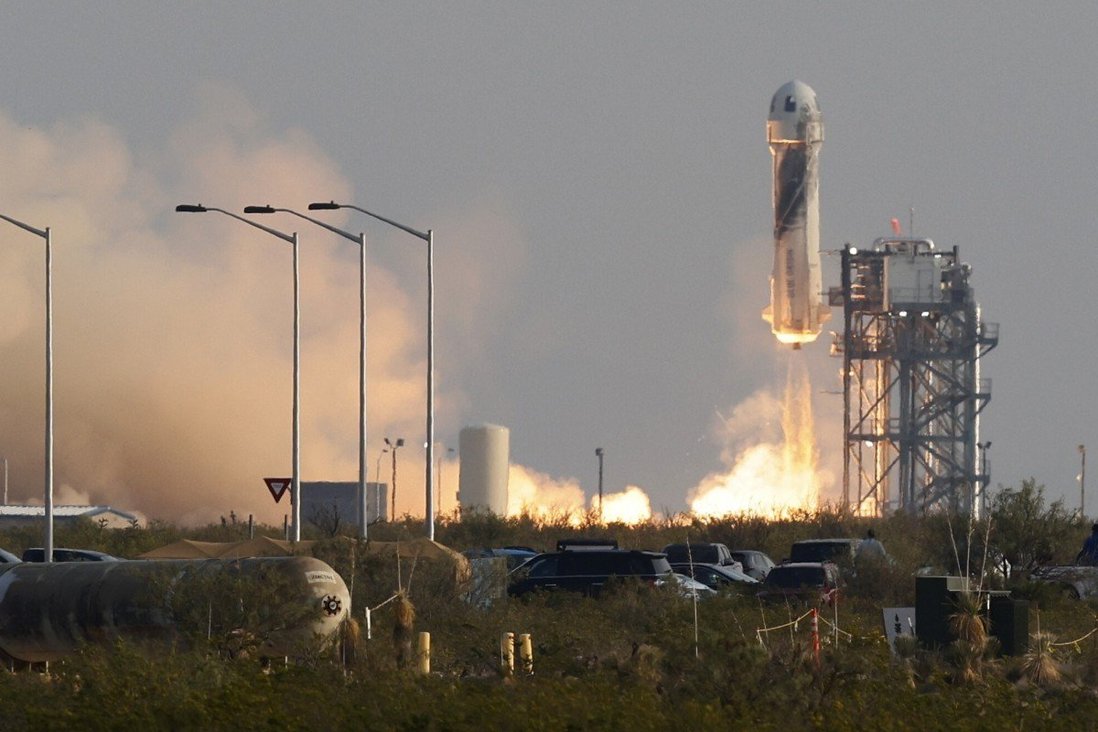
x=585 y=566
x=37 y=554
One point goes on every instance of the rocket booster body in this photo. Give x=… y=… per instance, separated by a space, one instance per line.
x=794 y=130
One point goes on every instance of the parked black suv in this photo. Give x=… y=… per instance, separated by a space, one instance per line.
x=824 y=550
x=814 y=583
x=586 y=570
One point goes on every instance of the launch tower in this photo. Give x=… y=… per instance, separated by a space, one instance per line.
x=912 y=394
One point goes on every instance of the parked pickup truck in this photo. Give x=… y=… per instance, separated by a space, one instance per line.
x=1077 y=581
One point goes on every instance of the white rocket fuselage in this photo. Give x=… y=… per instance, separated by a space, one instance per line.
x=794 y=130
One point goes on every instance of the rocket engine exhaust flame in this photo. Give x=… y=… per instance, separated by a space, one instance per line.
x=794 y=131
x=770 y=478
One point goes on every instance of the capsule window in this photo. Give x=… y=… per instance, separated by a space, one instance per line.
x=790 y=104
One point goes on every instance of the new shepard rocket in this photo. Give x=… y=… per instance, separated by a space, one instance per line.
x=794 y=130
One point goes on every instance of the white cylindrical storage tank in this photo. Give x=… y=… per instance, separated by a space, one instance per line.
x=485 y=464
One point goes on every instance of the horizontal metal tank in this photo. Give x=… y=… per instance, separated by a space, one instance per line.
x=485 y=465
x=289 y=605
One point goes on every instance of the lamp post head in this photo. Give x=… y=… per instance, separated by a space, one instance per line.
x=1083 y=449
x=598 y=451
x=258 y=210
x=190 y=208
x=400 y=442
x=321 y=206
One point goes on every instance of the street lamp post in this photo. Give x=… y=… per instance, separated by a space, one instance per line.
x=359 y=239
x=295 y=481
x=428 y=237
x=599 y=454
x=393 y=448
x=377 y=481
x=48 y=497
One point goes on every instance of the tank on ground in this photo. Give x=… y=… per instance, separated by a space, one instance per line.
x=485 y=464
x=276 y=606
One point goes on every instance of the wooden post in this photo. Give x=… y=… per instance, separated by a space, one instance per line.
x=507 y=654
x=527 y=653
x=424 y=653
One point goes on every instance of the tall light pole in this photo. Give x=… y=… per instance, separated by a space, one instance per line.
x=295 y=460
x=599 y=454
x=48 y=498
x=429 y=443
x=359 y=239
x=1082 y=480
x=393 y=448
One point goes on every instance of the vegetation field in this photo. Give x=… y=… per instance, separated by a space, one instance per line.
x=637 y=658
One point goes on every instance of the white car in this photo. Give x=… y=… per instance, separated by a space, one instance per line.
x=687 y=587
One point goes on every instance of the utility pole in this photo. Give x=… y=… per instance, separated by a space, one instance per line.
x=393 y=448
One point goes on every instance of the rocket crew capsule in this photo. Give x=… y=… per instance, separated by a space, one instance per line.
x=794 y=130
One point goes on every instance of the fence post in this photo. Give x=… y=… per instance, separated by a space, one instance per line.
x=424 y=653
x=527 y=653
x=507 y=654
x=816 y=636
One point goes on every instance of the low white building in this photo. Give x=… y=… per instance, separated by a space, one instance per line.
x=110 y=518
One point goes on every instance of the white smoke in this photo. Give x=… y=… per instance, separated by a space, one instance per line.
x=173 y=331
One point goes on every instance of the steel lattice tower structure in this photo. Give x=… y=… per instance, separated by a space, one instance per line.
x=912 y=393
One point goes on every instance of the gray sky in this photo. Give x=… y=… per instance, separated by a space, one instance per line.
x=598 y=179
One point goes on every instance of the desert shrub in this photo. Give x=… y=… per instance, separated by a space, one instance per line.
x=884 y=582
x=629 y=659
x=1028 y=532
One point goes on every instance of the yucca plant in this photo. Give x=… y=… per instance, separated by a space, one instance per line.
x=405 y=613
x=969 y=626
x=1039 y=665
x=968 y=623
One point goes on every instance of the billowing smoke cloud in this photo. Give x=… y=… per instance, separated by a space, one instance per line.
x=537 y=494
x=173 y=331
x=555 y=499
x=631 y=506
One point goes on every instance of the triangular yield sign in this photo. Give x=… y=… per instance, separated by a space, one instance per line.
x=277 y=486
